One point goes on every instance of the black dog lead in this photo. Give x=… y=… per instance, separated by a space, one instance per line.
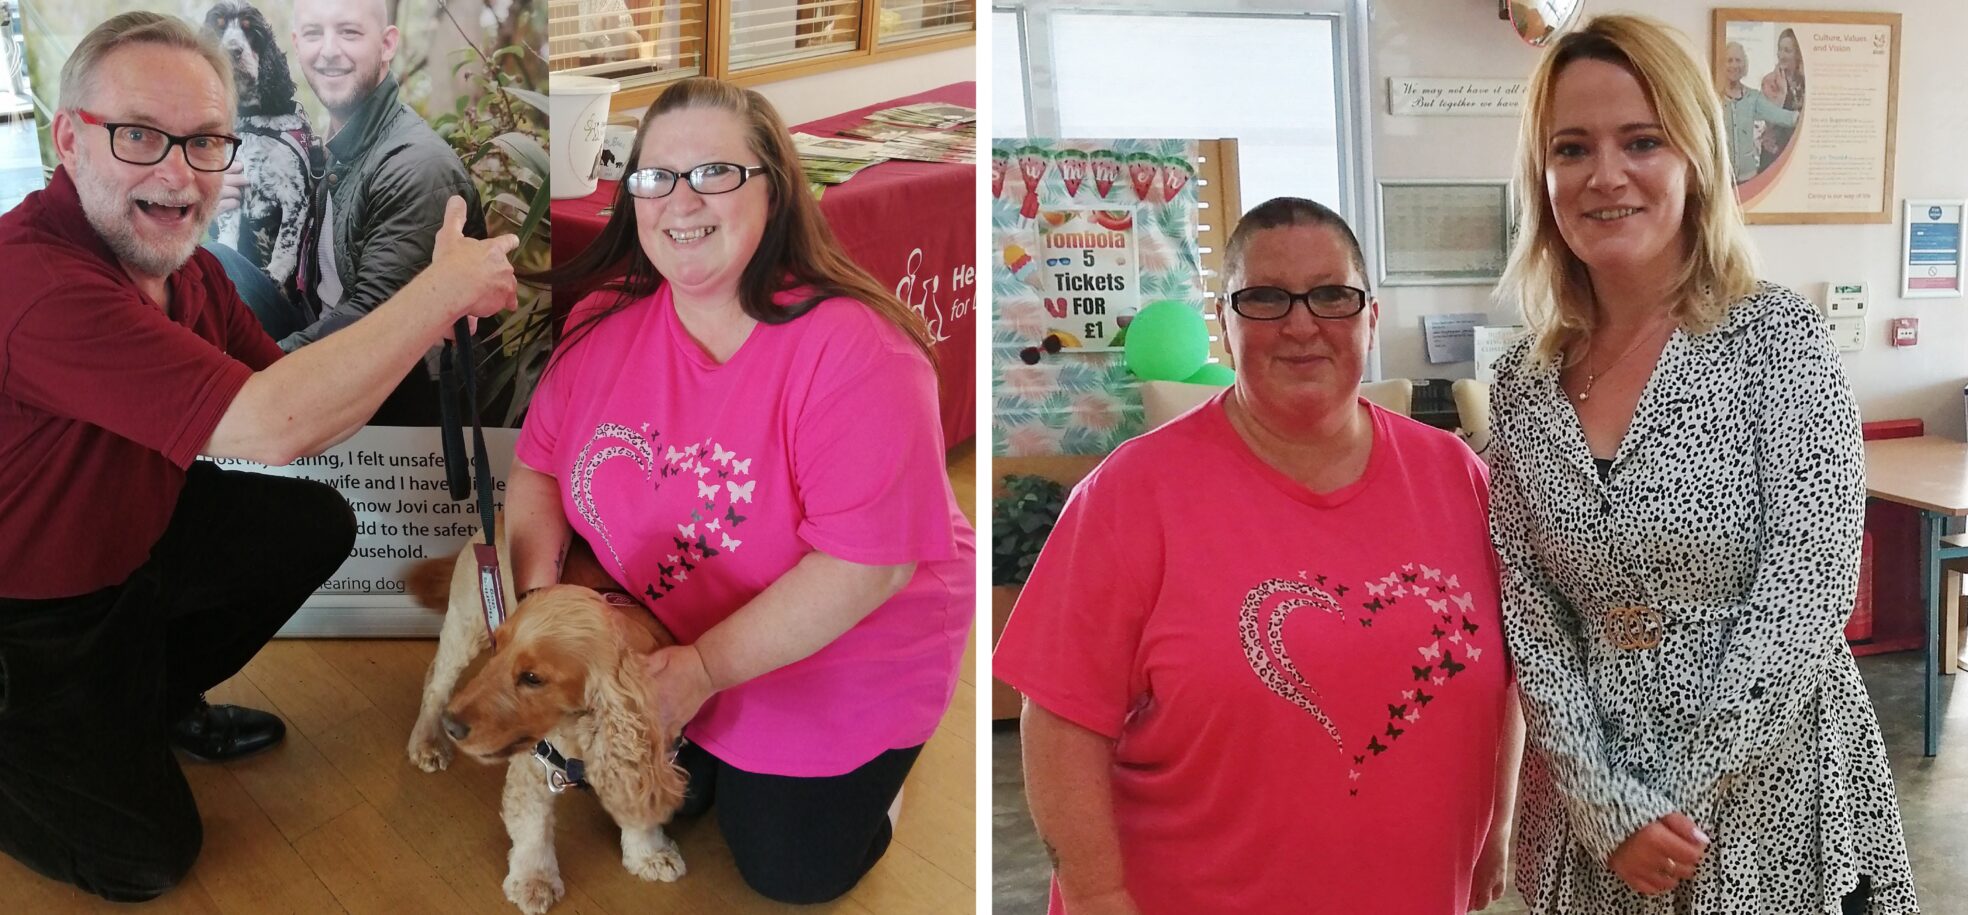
x=458 y=389
x=458 y=384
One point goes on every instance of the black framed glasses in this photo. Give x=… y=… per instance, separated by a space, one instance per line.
x=142 y=144
x=709 y=178
x=1270 y=303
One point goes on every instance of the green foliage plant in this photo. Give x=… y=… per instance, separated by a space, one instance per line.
x=1021 y=519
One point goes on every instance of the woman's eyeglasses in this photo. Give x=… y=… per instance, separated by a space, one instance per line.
x=1270 y=303
x=140 y=144
x=709 y=178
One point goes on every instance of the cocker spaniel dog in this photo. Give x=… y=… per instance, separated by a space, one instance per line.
x=563 y=701
x=277 y=146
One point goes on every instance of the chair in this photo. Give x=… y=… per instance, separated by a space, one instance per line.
x=1473 y=412
x=1950 y=635
x=1162 y=401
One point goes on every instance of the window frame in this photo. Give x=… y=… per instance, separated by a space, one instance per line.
x=638 y=92
x=1017 y=12
x=1351 y=82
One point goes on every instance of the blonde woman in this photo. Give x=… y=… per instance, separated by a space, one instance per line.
x=1678 y=495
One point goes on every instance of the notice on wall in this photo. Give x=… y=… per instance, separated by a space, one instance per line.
x=1931 y=262
x=395 y=479
x=1087 y=273
x=1451 y=338
x=1490 y=343
x=1419 y=96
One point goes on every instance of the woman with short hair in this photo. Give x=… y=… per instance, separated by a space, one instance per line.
x=1260 y=650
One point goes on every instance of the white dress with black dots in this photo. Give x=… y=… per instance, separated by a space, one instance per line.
x=1733 y=508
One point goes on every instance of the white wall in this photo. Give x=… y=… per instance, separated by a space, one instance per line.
x=835 y=91
x=1464 y=38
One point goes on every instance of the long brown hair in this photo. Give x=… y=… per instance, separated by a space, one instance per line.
x=797 y=240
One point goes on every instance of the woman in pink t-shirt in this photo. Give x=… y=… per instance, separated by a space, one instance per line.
x=744 y=428
x=1262 y=650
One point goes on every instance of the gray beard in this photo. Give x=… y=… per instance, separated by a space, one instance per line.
x=105 y=211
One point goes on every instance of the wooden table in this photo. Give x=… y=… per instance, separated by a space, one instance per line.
x=1928 y=473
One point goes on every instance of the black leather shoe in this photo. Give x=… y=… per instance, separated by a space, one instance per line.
x=223 y=733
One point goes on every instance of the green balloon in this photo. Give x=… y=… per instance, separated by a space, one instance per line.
x=1214 y=374
x=1167 y=341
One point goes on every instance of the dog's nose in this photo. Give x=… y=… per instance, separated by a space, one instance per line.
x=457 y=729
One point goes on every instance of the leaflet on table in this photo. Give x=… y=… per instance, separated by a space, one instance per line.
x=927 y=114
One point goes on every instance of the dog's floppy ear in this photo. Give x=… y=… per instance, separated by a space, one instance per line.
x=276 y=84
x=641 y=780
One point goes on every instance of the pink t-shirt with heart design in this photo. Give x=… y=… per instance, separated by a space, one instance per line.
x=699 y=484
x=1306 y=690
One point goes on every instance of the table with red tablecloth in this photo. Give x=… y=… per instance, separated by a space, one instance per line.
x=911 y=224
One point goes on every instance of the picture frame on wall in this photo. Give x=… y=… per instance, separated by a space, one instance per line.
x=1444 y=231
x=1932 y=249
x=1810 y=101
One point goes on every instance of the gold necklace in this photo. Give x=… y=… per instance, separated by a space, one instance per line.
x=1591 y=376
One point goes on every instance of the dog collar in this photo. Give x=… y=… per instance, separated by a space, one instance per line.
x=562 y=772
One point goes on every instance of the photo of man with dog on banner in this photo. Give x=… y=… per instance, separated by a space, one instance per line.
x=356 y=121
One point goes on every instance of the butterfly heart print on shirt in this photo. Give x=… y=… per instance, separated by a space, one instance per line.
x=717 y=478
x=1435 y=646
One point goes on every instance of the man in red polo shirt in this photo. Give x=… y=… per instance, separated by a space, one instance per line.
x=132 y=577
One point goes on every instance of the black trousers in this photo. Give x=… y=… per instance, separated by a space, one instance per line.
x=799 y=840
x=1859 y=900
x=90 y=793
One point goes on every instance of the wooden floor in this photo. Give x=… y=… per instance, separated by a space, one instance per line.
x=336 y=819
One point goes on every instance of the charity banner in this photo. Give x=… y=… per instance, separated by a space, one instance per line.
x=1810 y=100
x=481 y=106
x=396 y=481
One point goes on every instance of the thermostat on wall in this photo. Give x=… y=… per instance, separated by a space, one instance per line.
x=1845 y=300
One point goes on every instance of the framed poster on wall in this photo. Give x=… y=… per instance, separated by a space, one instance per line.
x=1436 y=232
x=1809 y=101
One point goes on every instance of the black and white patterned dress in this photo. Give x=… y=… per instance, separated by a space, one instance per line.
x=1733 y=508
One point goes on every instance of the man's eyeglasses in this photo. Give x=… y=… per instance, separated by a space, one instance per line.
x=141 y=144
x=709 y=178
x=1269 y=303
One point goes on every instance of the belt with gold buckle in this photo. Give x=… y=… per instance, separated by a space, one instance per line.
x=1633 y=628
